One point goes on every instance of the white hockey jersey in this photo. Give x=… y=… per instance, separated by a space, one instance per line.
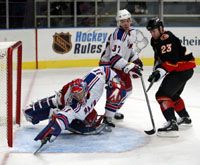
x=120 y=49
x=96 y=80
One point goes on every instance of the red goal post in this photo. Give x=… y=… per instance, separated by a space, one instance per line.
x=7 y=49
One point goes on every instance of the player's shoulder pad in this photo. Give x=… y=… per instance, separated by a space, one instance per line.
x=119 y=34
x=133 y=31
x=165 y=35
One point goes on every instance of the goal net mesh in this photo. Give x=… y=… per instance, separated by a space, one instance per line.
x=3 y=95
x=10 y=49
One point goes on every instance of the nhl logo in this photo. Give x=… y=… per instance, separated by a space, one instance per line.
x=62 y=42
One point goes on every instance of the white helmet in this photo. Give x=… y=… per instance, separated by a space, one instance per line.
x=123 y=14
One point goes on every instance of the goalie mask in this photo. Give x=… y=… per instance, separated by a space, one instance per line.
x=79 y=90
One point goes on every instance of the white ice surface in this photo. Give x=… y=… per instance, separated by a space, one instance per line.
x=121 y=139
x=184 y=150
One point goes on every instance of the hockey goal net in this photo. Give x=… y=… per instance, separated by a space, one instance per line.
x=10 y=89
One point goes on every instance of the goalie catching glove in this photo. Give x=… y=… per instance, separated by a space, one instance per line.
x=133 y=70
x=156 y=75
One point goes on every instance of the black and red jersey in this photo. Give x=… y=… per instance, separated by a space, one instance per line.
x=170 y=54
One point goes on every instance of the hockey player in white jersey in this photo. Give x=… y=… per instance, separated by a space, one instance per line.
x=121 y=52
x=76 y=101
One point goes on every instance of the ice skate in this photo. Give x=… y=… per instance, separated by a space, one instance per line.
x=109 y=124
x=169 y=130
x=184 y=122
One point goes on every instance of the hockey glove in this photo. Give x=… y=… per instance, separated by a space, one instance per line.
x=139 y=63
x=50 y=132
x=157 y=75
x=133 y=70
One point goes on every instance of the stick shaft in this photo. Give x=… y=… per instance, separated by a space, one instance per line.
x=148 y=104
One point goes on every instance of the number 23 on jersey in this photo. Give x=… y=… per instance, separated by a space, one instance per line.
x=166 y=48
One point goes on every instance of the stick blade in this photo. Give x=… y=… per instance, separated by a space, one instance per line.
x=150 y=132
x=37 y=151
x=43 y=142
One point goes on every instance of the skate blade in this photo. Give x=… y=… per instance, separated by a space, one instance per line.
x=169 y=134
x=107 y=129
x=183 y=127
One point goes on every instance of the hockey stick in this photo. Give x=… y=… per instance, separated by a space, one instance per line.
x=98 y=130
x=150 y=132
x=150 y=85
x=43 y=142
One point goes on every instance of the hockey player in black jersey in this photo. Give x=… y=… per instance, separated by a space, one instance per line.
x=175 y=63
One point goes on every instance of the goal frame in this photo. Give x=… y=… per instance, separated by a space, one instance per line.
x=17 y=45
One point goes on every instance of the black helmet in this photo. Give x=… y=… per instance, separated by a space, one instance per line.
x=154 y=23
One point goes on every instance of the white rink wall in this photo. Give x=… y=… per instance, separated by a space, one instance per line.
x=28 y=40
x=86 y=43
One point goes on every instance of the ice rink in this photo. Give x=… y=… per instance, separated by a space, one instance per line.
x=135 y=147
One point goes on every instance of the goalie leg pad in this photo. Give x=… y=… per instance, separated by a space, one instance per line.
x=78 y=126
x=114 y=101
x=40 y=110
x=91 y=122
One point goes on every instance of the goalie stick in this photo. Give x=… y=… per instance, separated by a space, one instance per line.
x=43 y=142
x=150 y=132
x=98 y=130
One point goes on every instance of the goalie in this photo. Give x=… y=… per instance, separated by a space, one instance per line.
x=72 y=108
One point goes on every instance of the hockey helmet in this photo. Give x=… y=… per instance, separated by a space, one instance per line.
x=123 y=14
x=79 y=90
x=154 y=23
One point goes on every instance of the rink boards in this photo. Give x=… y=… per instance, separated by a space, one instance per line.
x=81 y=47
